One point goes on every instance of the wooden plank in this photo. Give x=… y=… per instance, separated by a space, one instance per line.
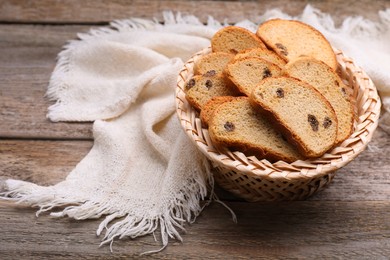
x=28 y=35
x=367 y=178
x=308 y=229
x=74 y=11
x=28 y=58
x=41 y=162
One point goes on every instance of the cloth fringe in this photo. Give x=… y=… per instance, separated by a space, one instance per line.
x=185 y=208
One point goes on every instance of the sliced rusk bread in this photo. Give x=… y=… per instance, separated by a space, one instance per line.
x=325 y=80
x=208 y=109
x=299 y=111
x=233 y=39
x=200 y=89
x=247 y=72
x=292 y=39
x=265 y=54
x=236 y=125
x=212 y=63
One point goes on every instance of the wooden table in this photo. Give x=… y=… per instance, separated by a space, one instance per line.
x=350 y=219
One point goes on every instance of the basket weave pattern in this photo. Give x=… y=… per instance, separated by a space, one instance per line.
x=259 y=180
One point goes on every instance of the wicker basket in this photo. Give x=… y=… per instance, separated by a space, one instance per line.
x=256 y=179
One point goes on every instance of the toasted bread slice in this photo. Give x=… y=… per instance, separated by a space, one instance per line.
x=262 y=53
x=292 y=39
x=208 y=109
x=212 y=63
x=325 y=80
x=236 y=125
x=300 y=112
x=247 y=72
x=200 y=89
x=233 y=39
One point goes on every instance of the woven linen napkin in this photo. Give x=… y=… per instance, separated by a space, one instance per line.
x=143 y=174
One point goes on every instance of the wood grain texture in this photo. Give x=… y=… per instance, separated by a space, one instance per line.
x=41 y=162
x=275 y=230
x=74 y=11
x=28 y=57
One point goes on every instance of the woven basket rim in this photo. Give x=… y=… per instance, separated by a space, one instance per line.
x=367 y=107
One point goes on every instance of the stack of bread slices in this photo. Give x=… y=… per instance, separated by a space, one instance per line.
x=274 y=94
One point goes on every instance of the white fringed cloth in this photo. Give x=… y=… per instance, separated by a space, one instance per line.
x=143 y=174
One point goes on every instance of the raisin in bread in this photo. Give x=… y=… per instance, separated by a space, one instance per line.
x=292 y=39
x=324 y=79
x=236 y=125
x=208 y=109
x=247 y=72
x=212 y=63
x=265 y=54
x=200 y=89
x=300 y=112
x=232 y=39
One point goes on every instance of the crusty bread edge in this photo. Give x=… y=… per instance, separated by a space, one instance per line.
x=259 y=152
x=253 y=35
x=271 y=45
x=348 y=97
x=287 y=133
x=231 y=78
x=197 y=70
x=205 y=114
